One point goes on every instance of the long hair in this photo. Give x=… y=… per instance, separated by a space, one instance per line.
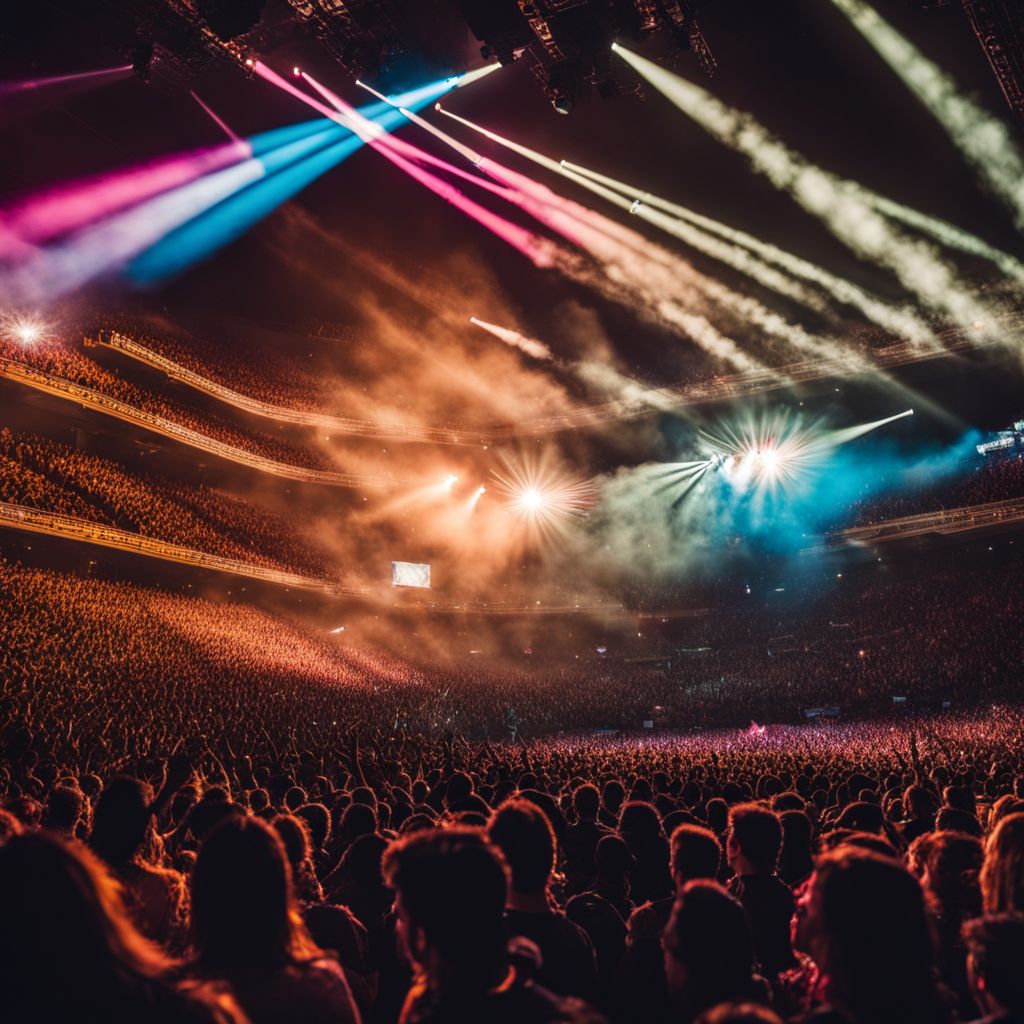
x=64 y=935
x=244 y=914
x=1002 y=873
x=873 y=941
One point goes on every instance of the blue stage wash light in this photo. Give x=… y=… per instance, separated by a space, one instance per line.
x=265 y=141
x=285 y=177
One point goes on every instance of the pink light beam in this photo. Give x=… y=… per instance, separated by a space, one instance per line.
x=219 y=121
x=49 y=214
x=536 y=249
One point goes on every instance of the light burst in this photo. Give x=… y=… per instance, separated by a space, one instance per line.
x=542 y=494
x=24 y=329
x=778 y=450
x=767 y=451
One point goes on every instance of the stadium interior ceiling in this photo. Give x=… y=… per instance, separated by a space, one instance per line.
x=693 y=351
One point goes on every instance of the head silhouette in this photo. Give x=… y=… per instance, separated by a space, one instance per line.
x=1002 y=873
x=523 y=833
x=121 y=820
x=871 y=937
x=709 y=948
x=243 y=912
x=64 y=936
x=450 y=888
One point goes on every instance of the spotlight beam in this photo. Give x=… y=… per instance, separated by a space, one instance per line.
x=44 y=216
x=469 y=77
x=633 y=269
x=983 y=139
x=778 y=451
x=215 y=228
x=833 y=200
x=949 y=235
x=219 y=121
x=472 y=156
x=731 y=255
x=109 y=245
x=533 y=348
x=525 y=241
x=742 y=261
x=838 y=437
x=747 y=307
x=900 y=321
x=29 y=84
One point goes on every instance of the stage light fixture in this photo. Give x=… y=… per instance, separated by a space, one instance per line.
x=562 y=102
x=561 y=88
x=229 y=19
x=769 y=459
x=531 y=499
x=141 y=57
x=26 y=330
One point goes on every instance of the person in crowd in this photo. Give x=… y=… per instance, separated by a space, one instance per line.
x=614 y=863
x=460 y=795
x=709 y=952
x=613 y=795
x=124 y=837
x=582 y=837
x=995 y=947
x=871 y=938
x=947 y=865
x=70 y=952
x=451 y=888
x=526 y=839
x=753 y=843
x=65 y=810
x=643 y=991
x=247 y=931
x=294 y=835
x=796 y=859
x=640 y=826
x=1002 y=871
x=919 y=806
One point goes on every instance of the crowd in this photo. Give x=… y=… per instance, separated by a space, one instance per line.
x=53 y=477
x=62 y=360
x=211 y=812
x=272 y=377
x=844 y=874
x=977 y=481
x=937 y=639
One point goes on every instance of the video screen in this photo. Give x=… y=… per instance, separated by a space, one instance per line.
x=410 y=574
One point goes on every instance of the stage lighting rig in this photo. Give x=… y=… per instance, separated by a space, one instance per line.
x=170 y=42
x=141 y=57
x=999 y=27
x=569 y=41
x=229 y=19
x=364 y=36
x=561 y=87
